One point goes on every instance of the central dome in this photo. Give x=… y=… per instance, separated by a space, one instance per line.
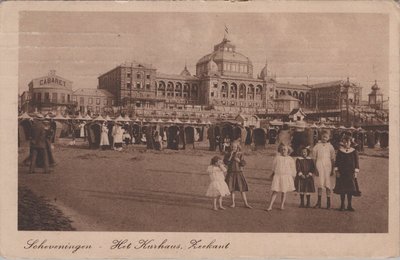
x=228 y=61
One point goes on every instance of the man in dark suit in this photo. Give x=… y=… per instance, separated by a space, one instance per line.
x=38 y=145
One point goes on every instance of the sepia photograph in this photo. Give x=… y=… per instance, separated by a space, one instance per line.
x=180 y=121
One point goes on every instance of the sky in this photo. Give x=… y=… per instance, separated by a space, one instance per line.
x=80 y=46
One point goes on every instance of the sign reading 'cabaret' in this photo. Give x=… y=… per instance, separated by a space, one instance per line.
x=52 y=80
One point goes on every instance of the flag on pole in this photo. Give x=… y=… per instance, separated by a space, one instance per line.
x=226 y=29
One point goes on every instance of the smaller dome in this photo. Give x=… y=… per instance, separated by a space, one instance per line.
x=375 y=86
x=265 y=72
x=185 y=72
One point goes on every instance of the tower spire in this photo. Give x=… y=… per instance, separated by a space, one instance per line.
x=226 y=32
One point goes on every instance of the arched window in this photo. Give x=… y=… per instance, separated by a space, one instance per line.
x=161 y=85
x=308 y=99
x=186 y=90
x=250 y=91
x=282 y=93
x=233 y=89
x=161 y=88
x=301 y=97
x=295 y=94
x=224 y=90
x=289 y=92
x=194 y=91
x=242 y=91
x=276 y=93
x=178 y=89
x=170 y=89
x=258 y=92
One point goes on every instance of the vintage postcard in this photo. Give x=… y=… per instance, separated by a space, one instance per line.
x=199 y=129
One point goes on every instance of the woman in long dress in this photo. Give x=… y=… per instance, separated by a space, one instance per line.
x=118 y=133
x=104 y=142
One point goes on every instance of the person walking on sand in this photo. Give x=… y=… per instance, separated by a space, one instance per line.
x=235 y=178
x=324 y=158
x=284 y=170
x=217 y=188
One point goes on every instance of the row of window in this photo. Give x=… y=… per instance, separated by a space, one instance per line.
x=242 y=104
x=106 y=102
x=138 y=85
x=233 y=95
x=178 y=86
x=138 y=75
x=178 y=94
x=235 y=67
x=54 y=97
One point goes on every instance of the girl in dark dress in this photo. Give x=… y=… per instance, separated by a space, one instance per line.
x=304 y=181
x=235 y=178
x=346 y=168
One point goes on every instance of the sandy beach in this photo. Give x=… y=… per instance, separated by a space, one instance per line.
x=164 y=191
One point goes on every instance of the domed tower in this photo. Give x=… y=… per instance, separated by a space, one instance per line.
x=266 y=74
x=375 y=98
x=228 y=61
x=185 y=72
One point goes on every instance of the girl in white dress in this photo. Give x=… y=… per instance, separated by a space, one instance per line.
x=324 y=157
x=218 y=187
x=284 y=170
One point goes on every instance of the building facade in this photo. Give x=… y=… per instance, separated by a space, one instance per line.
x=223 y=83
x=50 y=93
x=93 y=101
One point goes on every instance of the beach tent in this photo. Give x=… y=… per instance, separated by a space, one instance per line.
x=119 y=119
x=108 y=118
x=59 y=117
x=177 y=121
x=99 y=118
x=24 y=116
x=189 y=135
x=259 y=138
x=79 y=117
x=127 y=119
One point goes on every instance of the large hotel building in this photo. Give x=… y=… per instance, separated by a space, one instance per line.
x=223 y=84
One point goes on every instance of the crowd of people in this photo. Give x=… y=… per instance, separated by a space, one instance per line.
x=296 y=167
x=307 y=162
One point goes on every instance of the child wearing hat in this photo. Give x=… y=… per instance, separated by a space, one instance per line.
x=218 y=187
x=304 y=181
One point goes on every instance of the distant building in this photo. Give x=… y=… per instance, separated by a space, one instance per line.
x=93 y=101
x=223 y=84
x=286 y=103
x=375 y=98
x=49 y=93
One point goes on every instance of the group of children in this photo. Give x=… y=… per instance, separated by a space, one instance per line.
x=289 y=174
